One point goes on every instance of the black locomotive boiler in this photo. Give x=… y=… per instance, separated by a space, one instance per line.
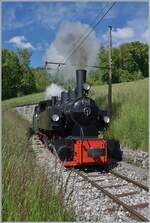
x=70 y=126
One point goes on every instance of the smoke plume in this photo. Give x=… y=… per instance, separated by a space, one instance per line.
x=53 y=90
x=67 y=38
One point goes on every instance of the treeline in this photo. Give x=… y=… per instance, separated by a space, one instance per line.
x=18 y=78
x=129 y=63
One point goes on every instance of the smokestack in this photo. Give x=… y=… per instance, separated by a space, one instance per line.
x=80 y=79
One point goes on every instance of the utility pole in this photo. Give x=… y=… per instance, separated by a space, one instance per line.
x=110 y=71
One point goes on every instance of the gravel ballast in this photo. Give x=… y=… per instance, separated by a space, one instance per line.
x=88 y=203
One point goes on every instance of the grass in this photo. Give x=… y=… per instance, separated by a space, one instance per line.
x=27 y=196
x=130 y=112
x=27 y=99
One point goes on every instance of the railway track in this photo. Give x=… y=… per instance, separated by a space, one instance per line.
x=142 y=186
x=105 y=182
x=95 y=180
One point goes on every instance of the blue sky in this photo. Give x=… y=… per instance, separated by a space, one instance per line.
x=34 y=25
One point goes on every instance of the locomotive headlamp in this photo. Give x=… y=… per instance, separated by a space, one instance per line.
x=106 y=119
x=86 y=87
x=55 y=118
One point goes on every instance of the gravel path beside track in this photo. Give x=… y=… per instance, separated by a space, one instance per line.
x=88 y=202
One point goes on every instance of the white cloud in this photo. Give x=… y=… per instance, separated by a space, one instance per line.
x=8 y=18
x=120 y=35
x=10 y=22
x=128 y=34
x=123 y=33
x=145 y=36
x=42 y=46
x=20 y=42
x=135 y=27
x=50 y=15
x=140 y=26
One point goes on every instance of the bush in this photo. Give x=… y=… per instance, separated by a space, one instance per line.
x=10 y=74
x=125 y=76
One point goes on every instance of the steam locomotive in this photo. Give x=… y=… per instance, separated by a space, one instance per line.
x=70 y=126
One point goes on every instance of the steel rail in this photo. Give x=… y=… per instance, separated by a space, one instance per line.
x=144 y=187
x=136 y=215
x=129 y=208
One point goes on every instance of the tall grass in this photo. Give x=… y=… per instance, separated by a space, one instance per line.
x=130 y=112
x=26 y=193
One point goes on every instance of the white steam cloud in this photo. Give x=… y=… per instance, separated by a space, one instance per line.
x=67 y=38
x=53 y=90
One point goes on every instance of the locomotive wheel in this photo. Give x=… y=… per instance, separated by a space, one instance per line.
x=62 y=151
x=114 y=150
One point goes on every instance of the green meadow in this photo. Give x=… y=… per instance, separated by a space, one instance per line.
x=26 y=195
x=129 y=121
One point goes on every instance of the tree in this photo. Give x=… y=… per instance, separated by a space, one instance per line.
x=94 y=77
x=11 y=77
x=139 y=52
x=27 y=85
x=130 y=62
x=41 y=78
x=103 y=62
